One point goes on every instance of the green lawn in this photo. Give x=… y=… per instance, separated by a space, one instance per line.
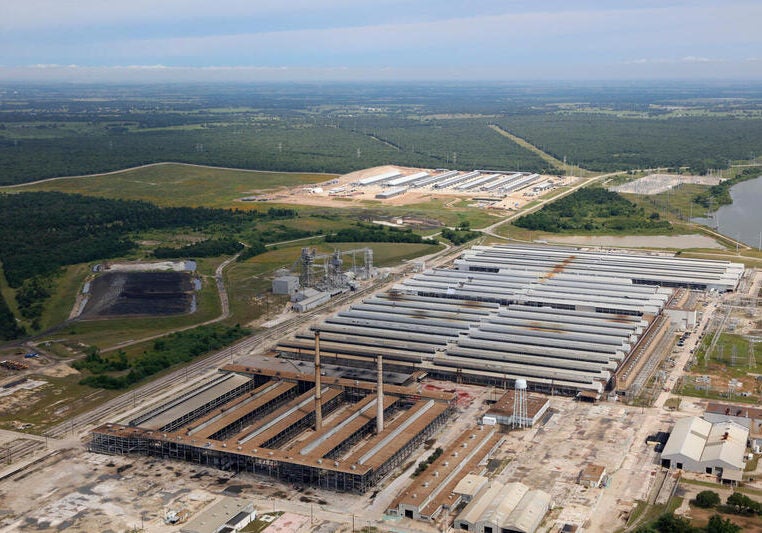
x=180 y=185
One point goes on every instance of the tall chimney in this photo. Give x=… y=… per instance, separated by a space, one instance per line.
x=380 y=395
x=318 y=407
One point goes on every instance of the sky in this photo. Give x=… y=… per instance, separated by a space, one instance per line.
x=374 y=40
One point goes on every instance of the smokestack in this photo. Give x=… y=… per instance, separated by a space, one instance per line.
x=380 y=395
x=318 y=408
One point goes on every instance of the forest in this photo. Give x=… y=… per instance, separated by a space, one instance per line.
x=41 y=232
x=48 y=131
x=592 y=209
x=607 y=142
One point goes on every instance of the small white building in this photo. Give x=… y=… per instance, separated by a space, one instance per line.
x=285 y=285
x=311 y=302
x=228 y=515
x=697 y=445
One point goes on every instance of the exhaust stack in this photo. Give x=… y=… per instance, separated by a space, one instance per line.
x=380 y=395
x=318 y=394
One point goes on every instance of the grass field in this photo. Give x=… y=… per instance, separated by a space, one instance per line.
x=176 y=185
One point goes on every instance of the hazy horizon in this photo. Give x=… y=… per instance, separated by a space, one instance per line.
x=384 y=40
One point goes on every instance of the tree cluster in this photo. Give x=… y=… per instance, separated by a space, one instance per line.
x=459 y=236
x=117 y=372
x=373 y=233
x=592 y=209
x=9 y=328
x=423 y=465
x=719 y=194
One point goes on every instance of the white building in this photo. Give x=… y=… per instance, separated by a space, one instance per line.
x=747 y=416
x=285 y=285
x=512 y=507
x=228 y=515
x=697 y=445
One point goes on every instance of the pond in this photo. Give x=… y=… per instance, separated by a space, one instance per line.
x=741 y=220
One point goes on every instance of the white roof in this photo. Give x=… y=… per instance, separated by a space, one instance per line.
x=529 y=512
x=470 y=485
x=727 y=443
x=511 y=506
x=688 y=438
x=703 y=441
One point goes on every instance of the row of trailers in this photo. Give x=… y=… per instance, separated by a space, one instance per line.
x=498 y=182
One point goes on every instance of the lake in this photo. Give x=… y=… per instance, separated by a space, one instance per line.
x=741 y=220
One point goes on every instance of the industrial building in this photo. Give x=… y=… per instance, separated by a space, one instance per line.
x=434 y=489
x=697 y=445
x=592 y=476
x=228 y=515
x=504 y=411
x=286 y=284
x=744 y=415
x=391 y=193
x=563 y=319
x=511 y=508
x=377 y=179
x=498 y=182
x=334 y=433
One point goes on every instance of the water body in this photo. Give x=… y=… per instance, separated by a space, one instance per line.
x=741 y=220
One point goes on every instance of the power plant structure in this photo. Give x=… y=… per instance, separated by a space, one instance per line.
x=327 y=272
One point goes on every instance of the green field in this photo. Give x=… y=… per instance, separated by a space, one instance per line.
x=178 y=185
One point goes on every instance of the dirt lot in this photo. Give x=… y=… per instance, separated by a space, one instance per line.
x=551 y=457
x=355 y=195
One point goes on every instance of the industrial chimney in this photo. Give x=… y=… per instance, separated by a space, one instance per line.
x=318 y=407
x=380 y=395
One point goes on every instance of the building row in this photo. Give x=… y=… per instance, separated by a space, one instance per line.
x=476 y=180
x=563 y=319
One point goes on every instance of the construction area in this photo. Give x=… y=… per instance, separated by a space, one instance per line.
x=333 y=433
x=567 y=321
x=395 y=185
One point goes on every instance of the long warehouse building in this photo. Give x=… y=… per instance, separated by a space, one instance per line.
x=563 y=319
